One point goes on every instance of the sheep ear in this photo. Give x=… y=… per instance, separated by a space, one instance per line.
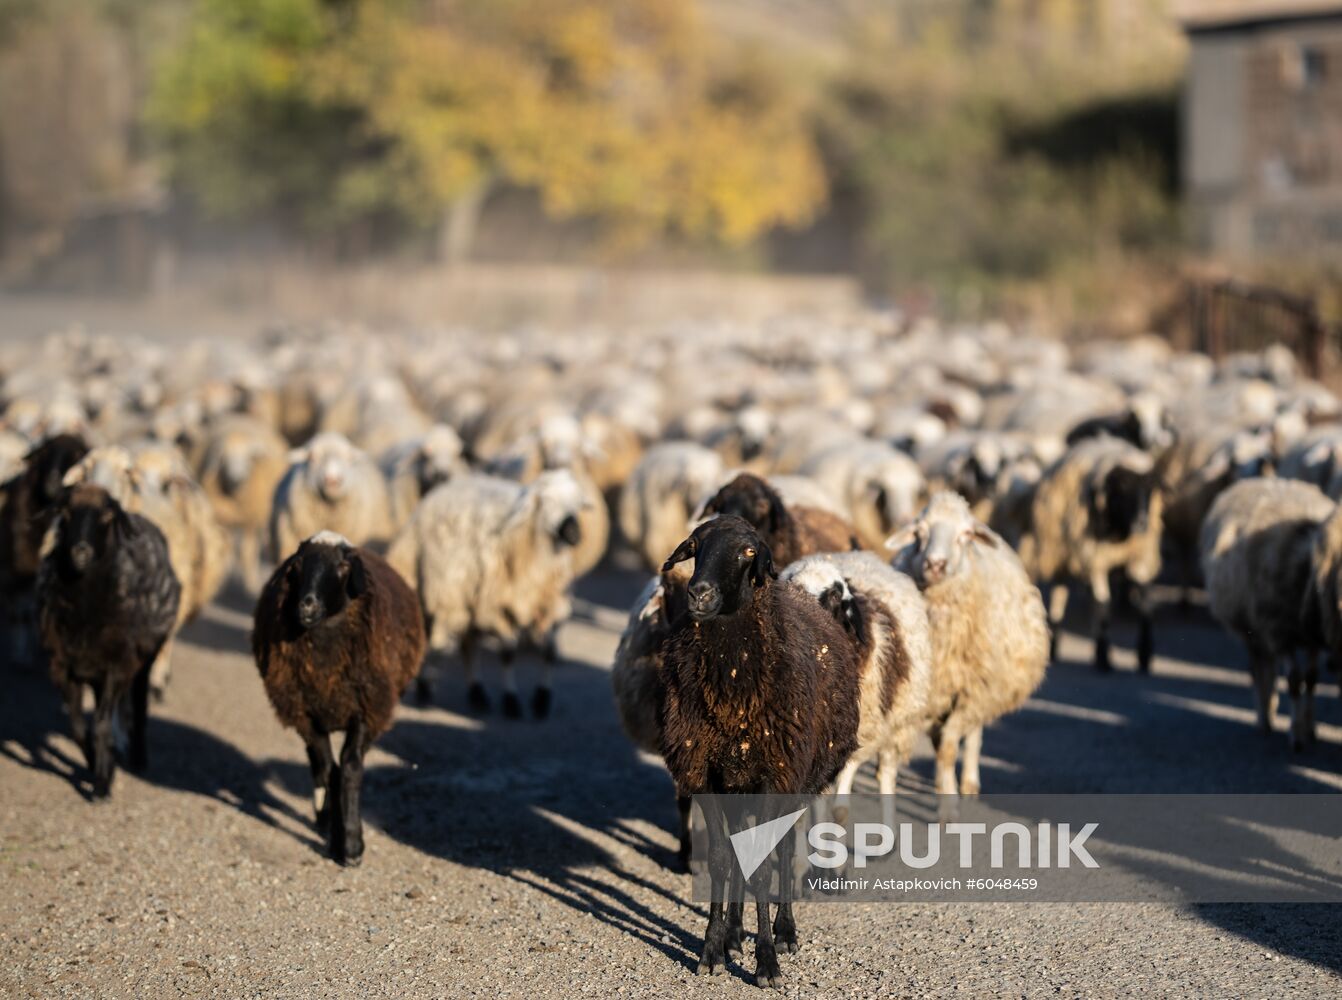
x=982 y=534
x=298 y=455
x=73 y=476
x=777 y=512
x=356 y=583
x=900 y=538
x=684 y=551
x=762 y=567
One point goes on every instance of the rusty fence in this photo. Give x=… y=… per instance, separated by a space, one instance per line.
x=1225 y=317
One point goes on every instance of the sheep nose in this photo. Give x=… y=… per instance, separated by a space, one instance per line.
x=704 y=599
x=934 y=569
x=309 y=609
x=81 y=554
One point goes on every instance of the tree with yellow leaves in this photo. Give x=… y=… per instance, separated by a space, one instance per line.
x=340 y=114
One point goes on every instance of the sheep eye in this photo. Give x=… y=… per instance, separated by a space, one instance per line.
x=749 y=553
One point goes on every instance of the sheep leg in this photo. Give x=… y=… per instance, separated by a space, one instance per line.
x=733 y=941
x=683 y=803
x=543 y=698
x=160 y=671
x=1311 y=680
x=104 y=762
x=946 y=744
x=1146 y=643
x=767 y=971
x=1263 y=668
x=843 y=788
x=320 y=762
x=1057 y=608
x=714 y=958
x=73 y=692
x=1099 y=588
x=475 y=691
x=351 y=784
x=785 y=926
x=969 y=764
x=249 y=559
x=139 y=727
x=512 y=705
x=887 y=773
x=1300 y=682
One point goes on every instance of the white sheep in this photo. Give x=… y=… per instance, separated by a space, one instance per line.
x=881 y=487
x=330 y=486
x=492 y=561
x=1257 y=557
x=989 y=633
x=667 y=486
x=1096 y=511
x=415 y=466
x=887 y=616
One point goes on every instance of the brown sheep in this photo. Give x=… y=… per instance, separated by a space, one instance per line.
x=790 y=532
x=338 y=637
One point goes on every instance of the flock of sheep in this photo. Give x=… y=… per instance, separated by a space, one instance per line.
x=846 y=525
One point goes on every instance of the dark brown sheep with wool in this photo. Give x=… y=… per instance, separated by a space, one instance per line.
x=24 y=501
x=338 y=637
x=761 y=697
x=107 y=602
x=790 y=532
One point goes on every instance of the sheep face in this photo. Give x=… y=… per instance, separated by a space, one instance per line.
x=822 y=580
x=325 y=575
x=235 y=464
x=330 y=463
x=88 y=525
x=558 y=499
x=730 y=562
x=52 y=461
x=751 y=499
x=1120 y=504
x=935 y=547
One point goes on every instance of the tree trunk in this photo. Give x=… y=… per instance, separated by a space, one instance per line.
x=456 y=232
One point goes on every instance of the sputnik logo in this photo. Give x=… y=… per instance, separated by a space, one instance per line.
x=755 y=843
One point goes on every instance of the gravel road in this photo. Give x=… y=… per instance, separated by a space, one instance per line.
x=530 y=859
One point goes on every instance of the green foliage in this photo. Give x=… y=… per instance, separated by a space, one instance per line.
x=979 y=165
x=346 y=110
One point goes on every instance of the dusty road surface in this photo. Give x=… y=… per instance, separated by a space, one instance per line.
x=530 y=859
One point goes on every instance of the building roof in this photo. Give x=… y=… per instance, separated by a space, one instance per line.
x=1200 y=15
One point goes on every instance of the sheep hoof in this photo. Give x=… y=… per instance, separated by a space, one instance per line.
x=351 y=860
x=476 y=697
x=785 y=937
x=512 y=705
x=733 y=946
x=1102 y=663
x=540 y=703
x=767 y=973
x=712 y=966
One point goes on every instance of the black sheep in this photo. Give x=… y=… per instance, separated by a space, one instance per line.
x=25 y=501
x=338 y=637
x=761 y=697
x=107 y=601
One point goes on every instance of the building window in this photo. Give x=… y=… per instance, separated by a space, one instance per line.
x=1304 y=67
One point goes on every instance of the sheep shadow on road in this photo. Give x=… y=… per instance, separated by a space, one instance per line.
x=34 y=733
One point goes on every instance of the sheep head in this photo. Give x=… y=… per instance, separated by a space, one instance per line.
x=89 y=523
x=552 y=505
x=822 y=579
x=731 y=561
x=330 y=460
x=322 y=578
x=934 y=547
x=752 y=499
